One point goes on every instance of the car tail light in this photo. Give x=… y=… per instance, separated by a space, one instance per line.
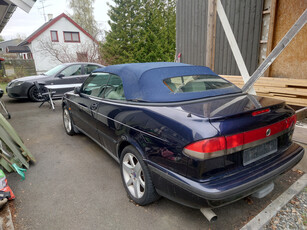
x=218 y=146
x=207 y=148
x=235 y=140
x=291 y=121
x=260 y=112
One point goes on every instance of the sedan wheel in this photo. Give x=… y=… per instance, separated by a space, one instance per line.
x=136 y=177
x=34 y=95
x=67 y=122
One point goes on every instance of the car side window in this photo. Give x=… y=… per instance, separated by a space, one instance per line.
x=95 y=84
x=90 y=68
x=72 y=70
x=115 y=90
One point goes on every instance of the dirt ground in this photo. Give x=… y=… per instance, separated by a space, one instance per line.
x=76 y=185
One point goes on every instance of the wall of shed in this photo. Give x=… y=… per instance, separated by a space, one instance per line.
x=245 y=19
x=292 y=62
x=191 y=22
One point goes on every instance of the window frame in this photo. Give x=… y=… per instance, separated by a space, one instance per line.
x=195 y=80
x=85 y=66
x=103 y=95
x=70 y=67
x=71 y=32
x=57 y=36
x=100 y=96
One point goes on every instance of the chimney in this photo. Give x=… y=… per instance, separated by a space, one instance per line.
x=50 y=17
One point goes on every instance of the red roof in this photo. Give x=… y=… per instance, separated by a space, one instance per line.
x=44 y=27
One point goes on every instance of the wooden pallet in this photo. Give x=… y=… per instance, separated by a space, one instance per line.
x=293 y=91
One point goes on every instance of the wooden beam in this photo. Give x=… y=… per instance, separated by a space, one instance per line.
x=233 y=44
x=271 y=32
x=211 y=30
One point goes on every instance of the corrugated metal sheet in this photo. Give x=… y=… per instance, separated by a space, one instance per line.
x=245 y=19
x=191 y=31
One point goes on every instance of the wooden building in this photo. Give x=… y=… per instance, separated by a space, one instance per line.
x=258 y=26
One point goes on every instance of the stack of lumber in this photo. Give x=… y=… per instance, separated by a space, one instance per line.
x=293 y=91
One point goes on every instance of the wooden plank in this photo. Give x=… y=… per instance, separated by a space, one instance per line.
x=271 y=32
x=271 y=80
x=204 y=35
x=211 y=21
x=284 y=95
x=292 y=101
x=293 y=91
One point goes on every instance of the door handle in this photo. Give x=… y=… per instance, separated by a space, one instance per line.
x=94 y=106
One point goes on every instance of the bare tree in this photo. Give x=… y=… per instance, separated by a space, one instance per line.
x=84 y=16
x=87 y=52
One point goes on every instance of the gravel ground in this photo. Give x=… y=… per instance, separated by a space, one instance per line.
x=293 y=215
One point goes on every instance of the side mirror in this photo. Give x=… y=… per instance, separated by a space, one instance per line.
x=60 y=75
x=77 y=90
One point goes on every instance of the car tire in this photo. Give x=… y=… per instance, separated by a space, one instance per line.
x=33 y=94
x=136 y=177
x=67 y=122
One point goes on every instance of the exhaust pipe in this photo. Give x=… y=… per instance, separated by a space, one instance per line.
x=209 y=214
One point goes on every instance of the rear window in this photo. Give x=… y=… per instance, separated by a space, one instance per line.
x=195 y=83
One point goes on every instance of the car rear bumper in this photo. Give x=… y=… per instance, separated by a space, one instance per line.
x=231 y=187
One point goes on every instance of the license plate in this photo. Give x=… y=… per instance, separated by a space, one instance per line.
x=253 y=154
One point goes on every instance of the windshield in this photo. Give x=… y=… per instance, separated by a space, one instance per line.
x=54 y=70
x=195 y=83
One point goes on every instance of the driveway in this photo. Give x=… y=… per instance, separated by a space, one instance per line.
x=76 y=185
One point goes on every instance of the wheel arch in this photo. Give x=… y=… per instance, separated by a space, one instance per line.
x=29 y=88
x=126 y=142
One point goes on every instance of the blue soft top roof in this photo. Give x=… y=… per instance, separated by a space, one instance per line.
x=144 y=81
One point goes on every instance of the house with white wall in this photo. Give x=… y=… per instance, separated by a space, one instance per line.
x=60 y=40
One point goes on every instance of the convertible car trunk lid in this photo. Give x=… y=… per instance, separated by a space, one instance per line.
x=253 y=127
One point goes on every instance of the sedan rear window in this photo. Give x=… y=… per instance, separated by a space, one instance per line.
x=195 y=83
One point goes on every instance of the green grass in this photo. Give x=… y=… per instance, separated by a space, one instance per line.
x=3 y=86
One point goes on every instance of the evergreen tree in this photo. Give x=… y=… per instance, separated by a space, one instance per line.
x=83 y=15
x=141 y=31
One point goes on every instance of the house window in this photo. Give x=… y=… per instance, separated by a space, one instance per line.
x=71 y=37
x=54 y=36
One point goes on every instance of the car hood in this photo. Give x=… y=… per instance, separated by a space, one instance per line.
x=31 y=78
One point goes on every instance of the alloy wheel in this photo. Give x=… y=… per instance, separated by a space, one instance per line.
x=67 y=121
x=133 y=175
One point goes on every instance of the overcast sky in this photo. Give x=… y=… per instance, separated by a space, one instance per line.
x=23 y=24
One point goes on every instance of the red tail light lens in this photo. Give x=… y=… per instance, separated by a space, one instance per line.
x=260 y=112
x=205 y=149
x=291 y=121
x=235 y=140
x=217 y=146
x=208 y=145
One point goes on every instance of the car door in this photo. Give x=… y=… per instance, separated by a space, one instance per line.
x=86 y=104
x=109 y=129
x=72 y=74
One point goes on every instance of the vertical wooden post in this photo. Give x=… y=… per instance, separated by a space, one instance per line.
x=271 y=32
x=211 y=30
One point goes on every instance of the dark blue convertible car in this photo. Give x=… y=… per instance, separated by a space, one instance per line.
x=182 y=132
